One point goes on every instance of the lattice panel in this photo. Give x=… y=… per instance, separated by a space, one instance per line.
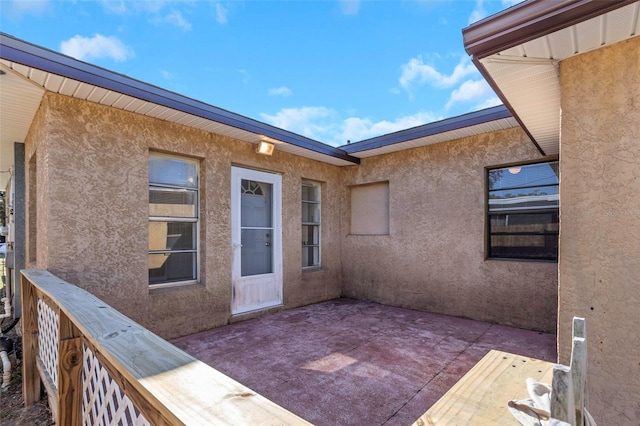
x=103 y=402
x=48 y=325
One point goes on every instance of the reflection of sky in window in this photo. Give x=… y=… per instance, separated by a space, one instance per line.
x=169 y=171
x=529 y=177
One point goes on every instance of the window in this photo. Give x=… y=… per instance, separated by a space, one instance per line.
x=310 y=224
x=173 y=220
x=523 y=211
x=370 y=209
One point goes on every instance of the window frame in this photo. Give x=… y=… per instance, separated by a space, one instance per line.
x=178 y=219
x=318 y=187
x=488 y=213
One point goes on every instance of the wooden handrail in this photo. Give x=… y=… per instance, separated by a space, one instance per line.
x=163 y=384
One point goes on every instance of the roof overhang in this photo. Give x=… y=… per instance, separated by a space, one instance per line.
x=28 y=71
x=473 y=123
x=518 y=51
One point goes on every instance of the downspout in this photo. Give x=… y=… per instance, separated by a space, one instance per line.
x=6 y=346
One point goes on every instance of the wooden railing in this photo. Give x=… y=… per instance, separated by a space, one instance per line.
x=100 y=367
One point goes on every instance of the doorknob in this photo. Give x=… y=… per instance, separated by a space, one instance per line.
x=268 y=244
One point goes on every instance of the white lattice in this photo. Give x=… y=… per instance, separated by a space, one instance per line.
x=48 y=324
x=103 y=402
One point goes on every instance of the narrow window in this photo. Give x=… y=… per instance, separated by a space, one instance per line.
x=310 y=224
x=523 y=211
x=173 y=220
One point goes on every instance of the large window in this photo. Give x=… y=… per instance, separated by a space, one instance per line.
x=523 y=211
x=310 y=224
x=173 y=220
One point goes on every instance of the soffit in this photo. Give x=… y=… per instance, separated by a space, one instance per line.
x=34 y=81
x=526 y=78
x=28 y=71
x=19 y=101
x=472 y=124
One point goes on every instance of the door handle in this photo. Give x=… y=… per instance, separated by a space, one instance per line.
x=268 y=244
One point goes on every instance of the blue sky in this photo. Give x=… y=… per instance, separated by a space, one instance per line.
x=332 y=70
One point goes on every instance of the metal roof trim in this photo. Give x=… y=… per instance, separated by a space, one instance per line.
x=430 y=129
x=28 y=54
x=530 y=20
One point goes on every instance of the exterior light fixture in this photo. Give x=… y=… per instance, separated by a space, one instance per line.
x=515 y=170
x=265 y=148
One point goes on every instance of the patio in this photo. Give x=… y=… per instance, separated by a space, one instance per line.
x=350 y=362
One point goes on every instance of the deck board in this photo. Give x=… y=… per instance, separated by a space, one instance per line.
x=481 y=396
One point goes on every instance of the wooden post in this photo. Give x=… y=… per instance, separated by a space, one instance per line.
x=579 y=327
x=69 y=374
x=579 y=367
x=562 y=400
x=31 y=383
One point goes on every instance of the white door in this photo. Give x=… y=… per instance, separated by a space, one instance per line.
x=256 y=236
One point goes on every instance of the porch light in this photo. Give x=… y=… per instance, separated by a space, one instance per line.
x=265 y=148
x=515 y=170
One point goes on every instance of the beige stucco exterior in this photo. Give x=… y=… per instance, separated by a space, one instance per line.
x=600 y=223
x=88 y=222
x=434 y=256
x=92 y=213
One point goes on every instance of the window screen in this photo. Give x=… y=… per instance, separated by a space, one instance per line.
x=173 y=219
x=523 y=211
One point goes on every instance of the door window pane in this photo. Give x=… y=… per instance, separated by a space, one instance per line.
x=255 y=204
x=257 y=251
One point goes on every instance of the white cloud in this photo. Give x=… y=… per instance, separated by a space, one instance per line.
x=221 y=14
x=245 y=76
x=98 y=46
x=115 y=6
x=325 y=125
x=491 y=102
x=478 y=12
x=280 y=91
x=356 y=129
x=18 y=8
x=350 y=7
x=168 y=75
x=509 y=3
x=176 y=18
x=470 y=90
x=312 y=122
x=122 y=7
x=416 y=72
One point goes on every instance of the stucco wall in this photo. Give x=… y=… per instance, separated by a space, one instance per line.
x=434 y=256
x=93 y=225
x=600 y=223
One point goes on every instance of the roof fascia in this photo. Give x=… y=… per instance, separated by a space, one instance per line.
x=446 y=125
x=529 y=20
x=19 y=51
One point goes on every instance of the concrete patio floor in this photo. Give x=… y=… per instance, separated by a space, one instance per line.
x=349 y=362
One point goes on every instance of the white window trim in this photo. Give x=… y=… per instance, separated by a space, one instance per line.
x=317 y=185
x=196 y=162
